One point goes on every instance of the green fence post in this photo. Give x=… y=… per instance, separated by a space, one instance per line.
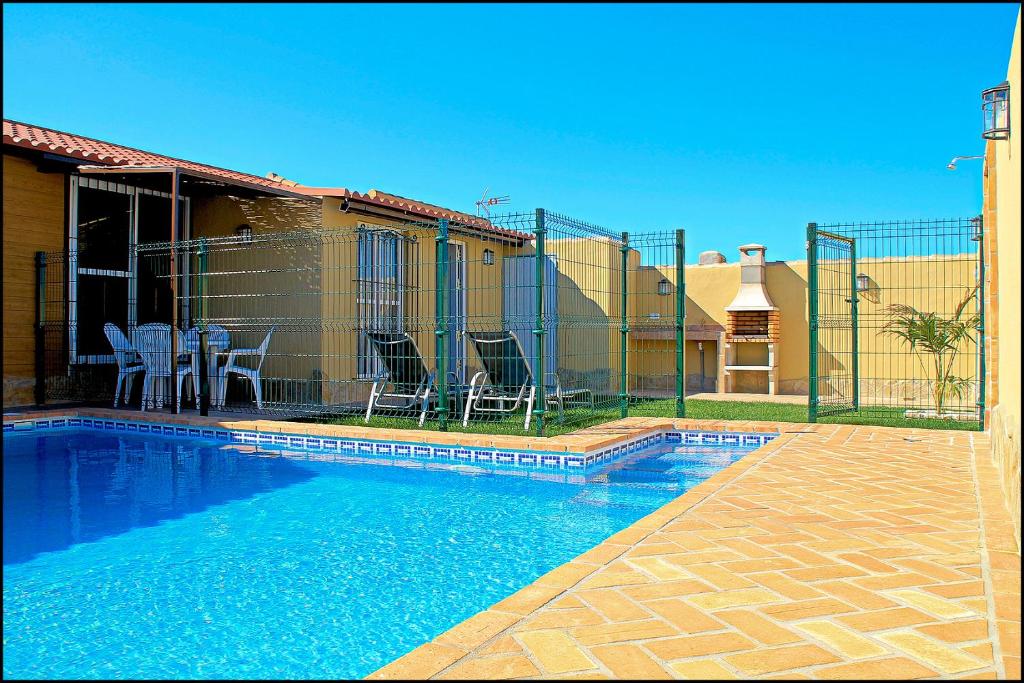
x=40 y=350
x=624 y=329
x=855 y=363
x=680 y=323
x=540 y=399
x=441 y=322
x=812 y=321
x=979 y=221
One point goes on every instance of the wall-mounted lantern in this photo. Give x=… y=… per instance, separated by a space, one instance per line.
x=244 y=231
x=863 y=282
x=995 y=107
x=977 y=228
x=488 y=257
x=664 y=287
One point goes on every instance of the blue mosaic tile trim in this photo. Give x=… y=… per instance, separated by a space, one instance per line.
x=544 y=460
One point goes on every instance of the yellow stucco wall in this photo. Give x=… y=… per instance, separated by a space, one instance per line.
x=34 y=221
x=1003 y=200
x=589 y=311
x=279 y=281
x=710 y=288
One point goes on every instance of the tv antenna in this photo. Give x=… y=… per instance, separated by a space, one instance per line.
x=484 y=204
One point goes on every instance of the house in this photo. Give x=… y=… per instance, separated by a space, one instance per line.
x=103 y=213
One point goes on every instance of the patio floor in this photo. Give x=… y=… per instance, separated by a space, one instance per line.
x=836 y=551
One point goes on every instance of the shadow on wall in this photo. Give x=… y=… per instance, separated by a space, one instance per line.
x=585 y=344
x=695 y=315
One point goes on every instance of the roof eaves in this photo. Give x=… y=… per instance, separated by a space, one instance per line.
x=185 y=170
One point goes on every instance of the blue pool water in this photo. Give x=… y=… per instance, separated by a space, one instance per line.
x=132 y=556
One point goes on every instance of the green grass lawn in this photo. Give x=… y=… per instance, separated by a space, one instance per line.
x=578 y=418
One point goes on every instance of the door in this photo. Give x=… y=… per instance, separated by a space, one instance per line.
x=456 y=288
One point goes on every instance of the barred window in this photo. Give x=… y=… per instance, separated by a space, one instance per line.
x=379 y=287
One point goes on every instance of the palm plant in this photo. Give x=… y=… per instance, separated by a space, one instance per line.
x=936 y=342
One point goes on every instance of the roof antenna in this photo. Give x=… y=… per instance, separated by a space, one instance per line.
x=484 y=204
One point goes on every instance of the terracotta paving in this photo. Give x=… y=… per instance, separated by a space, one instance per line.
x=834 y=552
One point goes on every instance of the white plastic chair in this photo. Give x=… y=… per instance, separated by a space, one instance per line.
x=252 y=374
x=129 y=363
x=153 y=341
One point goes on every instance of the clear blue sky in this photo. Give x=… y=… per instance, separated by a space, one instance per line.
x=739 y=123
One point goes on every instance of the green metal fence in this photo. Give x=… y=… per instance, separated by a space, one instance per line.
x=897 y=321
x=654 y=324
x=528 y=323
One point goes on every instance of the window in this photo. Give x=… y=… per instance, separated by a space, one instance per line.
x=379 y=290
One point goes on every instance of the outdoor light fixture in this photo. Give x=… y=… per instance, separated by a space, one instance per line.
x=995 y=107
x=664 y=287
x=244 y=231
x=978 y=225
x=952 y=163
x=863 y=282
x=488 y=257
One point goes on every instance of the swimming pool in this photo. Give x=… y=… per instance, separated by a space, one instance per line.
x=142 y=556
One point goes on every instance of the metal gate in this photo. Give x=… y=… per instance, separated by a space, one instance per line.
x=896 y=318
x=831 y=280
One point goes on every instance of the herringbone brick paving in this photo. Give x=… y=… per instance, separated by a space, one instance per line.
x=834 y=552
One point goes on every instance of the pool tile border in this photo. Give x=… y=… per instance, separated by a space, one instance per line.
x=529 y=458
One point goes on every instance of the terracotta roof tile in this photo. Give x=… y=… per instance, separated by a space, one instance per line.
x=95 y=151
x=100 y=152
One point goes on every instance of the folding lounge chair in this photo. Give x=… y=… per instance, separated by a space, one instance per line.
x=405 y=377
x=507 y=378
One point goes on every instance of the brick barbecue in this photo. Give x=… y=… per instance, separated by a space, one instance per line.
x=752 y=319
